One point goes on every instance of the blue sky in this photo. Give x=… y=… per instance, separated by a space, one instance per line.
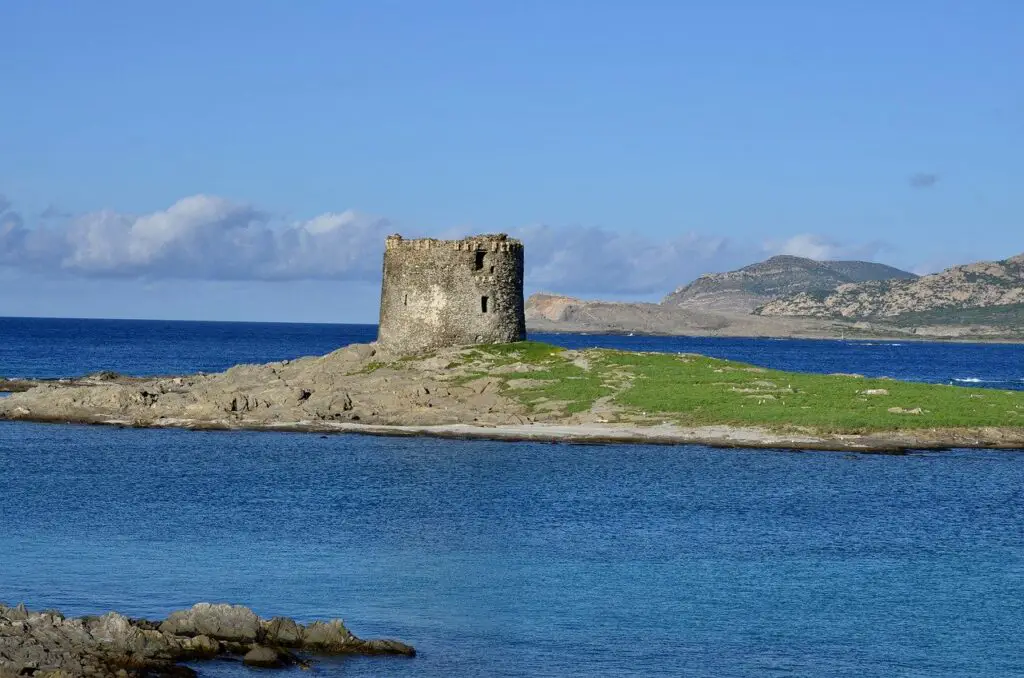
x=242 y=160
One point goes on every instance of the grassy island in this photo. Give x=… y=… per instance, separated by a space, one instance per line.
x=535 y=391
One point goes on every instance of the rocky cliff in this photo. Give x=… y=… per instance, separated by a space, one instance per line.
x=990 y=292
x=744 y=290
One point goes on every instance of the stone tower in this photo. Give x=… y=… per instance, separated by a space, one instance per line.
x=438 y=293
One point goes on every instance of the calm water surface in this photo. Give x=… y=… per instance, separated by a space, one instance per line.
x=500 y=559
x=533 y=559
x=41 y=347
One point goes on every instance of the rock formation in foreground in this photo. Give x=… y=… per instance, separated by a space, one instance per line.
x=48 y=645
x=987 y=291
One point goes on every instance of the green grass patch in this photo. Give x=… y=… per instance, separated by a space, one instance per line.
x=558 y=379
x=576 y=387
x=708 y=391
x=527 y=352
x=696 y=390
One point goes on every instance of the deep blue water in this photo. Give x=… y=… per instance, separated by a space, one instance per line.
x=34 y=347
x=516 y=559
x=531 y=559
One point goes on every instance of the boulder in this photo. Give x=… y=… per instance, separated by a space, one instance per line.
x=329 y=636
x=18 y=613
x=264 y=657
x=115 y=633
x=233 y=623
x=283 y=632
x=387 y=647
x=201 y=647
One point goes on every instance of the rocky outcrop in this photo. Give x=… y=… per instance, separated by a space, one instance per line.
x=745 y=289
x=232 y=623
x=946 y=297
x=553 y=307
x=48 y=645
x=356 y=384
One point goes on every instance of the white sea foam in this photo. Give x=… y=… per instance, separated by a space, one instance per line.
x=970 y=380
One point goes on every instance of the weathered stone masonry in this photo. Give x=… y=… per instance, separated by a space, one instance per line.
x=438 y=293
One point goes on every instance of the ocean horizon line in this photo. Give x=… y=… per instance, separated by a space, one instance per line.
x=185 y=320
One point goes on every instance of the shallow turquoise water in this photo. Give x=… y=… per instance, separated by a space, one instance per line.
x=535 y=559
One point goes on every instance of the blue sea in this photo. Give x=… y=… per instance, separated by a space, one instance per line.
x=521 y=559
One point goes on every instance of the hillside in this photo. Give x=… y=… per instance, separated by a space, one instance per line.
x=561 y=309
x=555 y=313
x=750 y=287
x=552 y=312
x=989 y=291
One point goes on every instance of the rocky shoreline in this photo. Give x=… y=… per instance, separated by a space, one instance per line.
x=723 y=436
x=49 y=645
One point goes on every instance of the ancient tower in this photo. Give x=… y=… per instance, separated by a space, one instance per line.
x=438 y=293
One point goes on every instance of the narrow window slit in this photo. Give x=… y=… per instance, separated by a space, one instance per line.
x=405 y=301
x=483 y=304
x=480 y=260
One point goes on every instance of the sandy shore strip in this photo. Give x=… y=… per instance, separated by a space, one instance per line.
x=602 y=434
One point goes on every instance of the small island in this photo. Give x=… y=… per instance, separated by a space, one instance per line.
x=451 y=360
x=536 y=391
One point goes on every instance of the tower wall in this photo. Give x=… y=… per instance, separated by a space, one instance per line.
x=438 y=293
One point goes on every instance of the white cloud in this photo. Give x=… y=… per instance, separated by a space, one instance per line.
x=205 y=237
x=201 y=237
x=581 y=260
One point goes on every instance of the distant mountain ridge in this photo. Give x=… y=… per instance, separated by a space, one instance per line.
x=946 y=297
x=746 y=289
x=788 y=296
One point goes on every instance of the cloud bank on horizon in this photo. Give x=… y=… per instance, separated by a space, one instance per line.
x=205 y=237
